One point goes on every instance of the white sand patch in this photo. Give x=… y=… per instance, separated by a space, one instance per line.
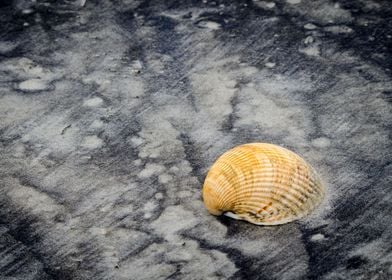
x=184 y=194
x=264 y=4
x=93 y=102
x=164 y=225
x=160 y=137
x=164 y=178
x=151 y=169
x=321 y=142
x=313 y=50
x=205 y=263
x=16 y=108
x=324 y=12
x=33 y=200
x=272 y=110
x=6 y=46
x=49 y=134
x=136 y=141
x=92 y=142
x=149 y=208
x=96 y=124
x=33 y=85
x=209 y=24
x=214 y=89
x=339 y=29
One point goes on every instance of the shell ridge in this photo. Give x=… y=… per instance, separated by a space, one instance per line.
x=285 y=204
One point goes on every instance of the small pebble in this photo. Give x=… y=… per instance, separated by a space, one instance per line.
x=158 y=196
x=27 y=11
x=309 y=40
x=270 y=64
x=294 y=2
x=310 y=26
x=317 y=237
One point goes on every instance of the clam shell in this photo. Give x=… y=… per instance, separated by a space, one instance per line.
x=263 y=184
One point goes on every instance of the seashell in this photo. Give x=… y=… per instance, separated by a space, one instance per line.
x=263 y=184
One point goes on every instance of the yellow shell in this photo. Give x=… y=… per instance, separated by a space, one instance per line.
x=263 y=184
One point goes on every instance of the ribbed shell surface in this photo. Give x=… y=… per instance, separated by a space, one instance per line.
x=263 y=184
